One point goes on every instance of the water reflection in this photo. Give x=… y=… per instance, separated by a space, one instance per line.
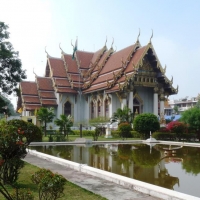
x=149 y=164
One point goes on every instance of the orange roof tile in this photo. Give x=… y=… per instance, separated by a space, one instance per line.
x=72 y=65
x=49 y=102
x=29 y=107
x=31 y=99
x=47 y=95
x=85 y=58
x=29 y=88
x=57 y=67
x=44 y=83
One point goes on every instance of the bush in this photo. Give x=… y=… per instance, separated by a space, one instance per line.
x=135 y=134
x=50 y=185
x=164 y=136
x=84 y=132
x=125 y=130
x=146 y=122
x=22 y=194
x=115 y=134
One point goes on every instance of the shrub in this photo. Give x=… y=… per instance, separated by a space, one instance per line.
x=22 y=194
x=125 y=129
x=50 y=185
x=146 y=122
x=177 y=127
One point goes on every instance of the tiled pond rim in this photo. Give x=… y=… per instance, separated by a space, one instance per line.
x=133 y=184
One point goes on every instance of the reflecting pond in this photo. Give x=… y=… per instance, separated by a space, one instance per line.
x=171 y=167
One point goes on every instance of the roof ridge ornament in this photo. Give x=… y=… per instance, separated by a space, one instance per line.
x=138 y=37
x=151 y=37
x=105 y=41
x=112 y=43
x=34 y=72
x=46 y=52
x=61 y=48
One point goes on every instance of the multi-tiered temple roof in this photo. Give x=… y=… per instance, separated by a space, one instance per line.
x=105 y=70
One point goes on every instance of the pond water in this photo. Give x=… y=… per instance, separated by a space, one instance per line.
x=172 y=167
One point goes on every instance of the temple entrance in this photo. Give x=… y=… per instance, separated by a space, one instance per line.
x=137 y=104
x=67 y=108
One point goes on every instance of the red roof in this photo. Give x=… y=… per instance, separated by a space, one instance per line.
x=28 y=87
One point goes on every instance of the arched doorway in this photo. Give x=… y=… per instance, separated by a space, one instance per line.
x=137 y=104
x=67 y=108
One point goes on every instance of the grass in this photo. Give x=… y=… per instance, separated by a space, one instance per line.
x=71 y=191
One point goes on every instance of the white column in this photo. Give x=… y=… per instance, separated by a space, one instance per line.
x=162 y=98
x=123 y=103
x=155 y=101
x=130 y=101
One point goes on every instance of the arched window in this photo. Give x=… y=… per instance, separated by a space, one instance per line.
x=67 y=108
x=99 y=108
x=92 y=109
x=106 y=108
x=137 y=104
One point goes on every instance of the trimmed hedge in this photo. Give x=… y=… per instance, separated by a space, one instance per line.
x=173 y=136
x=116 y=134
x=84 y=132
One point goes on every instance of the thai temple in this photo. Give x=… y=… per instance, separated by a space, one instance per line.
x=87 y=85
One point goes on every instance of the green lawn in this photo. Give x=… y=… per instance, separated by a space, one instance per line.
x=71 y=191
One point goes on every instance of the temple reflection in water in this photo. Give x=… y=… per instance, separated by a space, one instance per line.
x=138 y=161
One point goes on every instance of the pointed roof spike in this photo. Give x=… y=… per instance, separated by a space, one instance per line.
x=112 y=43
x=138 y=36
x=165 y=69
x=34 y=72
x=46 y=52
x=61 y=48
x=172 y=80
x=151 y=37
x=105 y=41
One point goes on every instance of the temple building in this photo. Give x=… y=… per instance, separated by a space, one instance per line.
x=91 y=84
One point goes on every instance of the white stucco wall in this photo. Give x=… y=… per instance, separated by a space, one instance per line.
x=146 y=95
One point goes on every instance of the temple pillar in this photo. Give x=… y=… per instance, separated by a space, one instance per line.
x=155 y=101
x=162 y=101
x=130 y=101
x=123 y=103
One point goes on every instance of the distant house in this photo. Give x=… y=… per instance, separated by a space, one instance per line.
x=91 y=84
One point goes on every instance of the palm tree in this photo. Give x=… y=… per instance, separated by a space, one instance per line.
x=65 y=123
x=45 y=115
x=123 y=115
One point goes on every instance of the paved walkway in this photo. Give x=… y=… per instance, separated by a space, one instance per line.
x=106 y=189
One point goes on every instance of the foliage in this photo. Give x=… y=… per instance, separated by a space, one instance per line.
x=192 y=118
x=11 y=72
x=45 y=115
x=22 y=194
x=144 y=158
x=123 y=115
x=125 y=130
x=164 y=135
x=50 y=185
x=65 y=123
x=15 y=136
x=176 y=109
x=146 y=122
x=84 y=132
x=177 y=127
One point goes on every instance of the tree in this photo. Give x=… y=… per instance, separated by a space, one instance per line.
x=146 y=122
x=192 y=118
x=45 y=115
x=123 y=115
x=65 y=123
x=11 y=72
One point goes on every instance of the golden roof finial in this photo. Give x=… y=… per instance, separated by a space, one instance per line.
x=112 y=43
x=138 y=37
x=105 y=41
x=151 y=37
x=164 y=70
x=61 y=48
x=177 y=89
x=172 y=80
x=46 y=52
x=34 y=72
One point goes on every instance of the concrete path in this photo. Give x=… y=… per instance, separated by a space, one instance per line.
x=106 y=189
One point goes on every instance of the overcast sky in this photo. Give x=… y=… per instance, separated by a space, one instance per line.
x=36 y=24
